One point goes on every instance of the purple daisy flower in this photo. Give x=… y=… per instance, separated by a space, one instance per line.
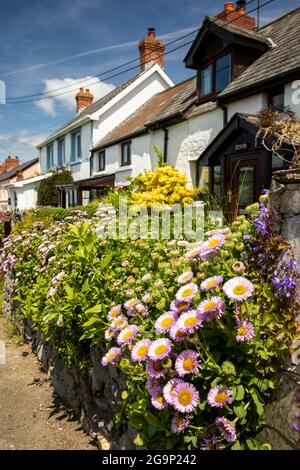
x=185 y=277
x=211 y=283
x=227 y=429
x=152 y=385
x=238 y=288
x=210 y=443
x=187 y=292
x=130 y=304
x=119 y=323
x=180 y=423
x=187 y=363
x=155 y=369
x=127 y=335
x=218 y=397
x=214 y=242
x=177 y=335
x=169 y=389
x=140 y=350
x=193 y=253
x=158 y=400
x=211 y=308
x=245 y=331
x=147 y=298
x=165 y=322
x=185 y=398
x=180 y=306
x=142 y=310
x=109 y=333
x=189 y=322
x=159 y=349
x=111 y=356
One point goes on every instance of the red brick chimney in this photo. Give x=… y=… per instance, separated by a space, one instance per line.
x=151 y=50
x=9 y=163
x=84 y=98
x=237 y=16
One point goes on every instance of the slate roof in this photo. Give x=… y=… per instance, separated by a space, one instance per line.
x=281 y=59
x=163 y=106
x=92 y=108
x=13 y=171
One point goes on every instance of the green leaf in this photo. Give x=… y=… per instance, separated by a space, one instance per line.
x=237 y=446
x=96 y=309
x=136 y=419
x=240 y=393
x=258 y=404
x=240 y=411
x=85 y=286
x=91 y=321
x=69 y=292
x=253 y=444
x=151 y=419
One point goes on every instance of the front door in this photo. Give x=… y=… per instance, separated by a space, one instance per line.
x=244 y=182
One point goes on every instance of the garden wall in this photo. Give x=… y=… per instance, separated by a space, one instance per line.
x=285 y=211
x=93 y=398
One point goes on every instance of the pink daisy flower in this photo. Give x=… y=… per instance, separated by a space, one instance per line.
x=111 y=356
x=169 y=389
x=218 y=397
x=158 y=400
x=189 y=322
x=238 y=288
x=187 y=363
x=155 y=369
x=142 y=310
x=245 y=331
x=130 y=304
x=159 y=349
x=127 y=335
x=185 y=277
x=211 y=308
x=140 y=350
x=129 y=293
x=227 y=429
x=147 y=298
x=146 y=277
x=187 y=292
x=180 y=423
x=185 y=398
x=179 y=306
x=165 y=322
x=177 y=335
x=109 y=333
x=193 y=253
x=238 y=267
x=119 y=323
x=211 y=283
x=214 y=242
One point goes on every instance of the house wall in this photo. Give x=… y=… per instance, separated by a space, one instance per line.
x=5 y=194
x=292 y=96
x=26 y=196
x=250 y=105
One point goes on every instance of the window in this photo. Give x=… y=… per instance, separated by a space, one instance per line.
x=50 y=161
x=207 y=80
x=76 y=145
x=223 y=72
x=126 y=154
x=215 y=76
x=276 y=99
x=100 y=166
x=60 y=152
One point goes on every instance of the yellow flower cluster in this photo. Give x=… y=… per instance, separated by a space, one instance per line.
x=164 y=186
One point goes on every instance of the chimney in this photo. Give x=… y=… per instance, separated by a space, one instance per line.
x=237 y=16
x=11 y=162
x=84 y=98
x=151 y=51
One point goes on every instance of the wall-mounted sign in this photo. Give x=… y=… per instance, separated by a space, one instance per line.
x=241 y=146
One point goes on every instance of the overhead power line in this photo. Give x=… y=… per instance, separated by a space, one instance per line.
x=44 y=96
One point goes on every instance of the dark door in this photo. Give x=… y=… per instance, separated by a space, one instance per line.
x=244 y=182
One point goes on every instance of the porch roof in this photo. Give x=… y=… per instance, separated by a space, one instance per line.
x=247 y=122
x=90 y=183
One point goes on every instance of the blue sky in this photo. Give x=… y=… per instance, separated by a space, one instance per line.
x=46 y=44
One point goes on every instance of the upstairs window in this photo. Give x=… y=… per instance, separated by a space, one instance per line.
x=76 y=145
x=100 y=164
x=50 y=159
x=126 y=154
x=276 y=99
x=60 y=152
x=215 y=76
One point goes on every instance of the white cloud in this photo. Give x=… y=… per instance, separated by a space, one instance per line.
x=24 y=137
x=66 y=96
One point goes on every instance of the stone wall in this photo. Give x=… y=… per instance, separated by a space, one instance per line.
x=285 y=211
x=93 y=397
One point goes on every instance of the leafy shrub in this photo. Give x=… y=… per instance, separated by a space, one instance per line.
x=48 y=193
x=80 y=291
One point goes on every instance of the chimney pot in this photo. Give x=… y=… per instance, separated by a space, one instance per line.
x=228 y=7
x=151 y=50
x=84 y=98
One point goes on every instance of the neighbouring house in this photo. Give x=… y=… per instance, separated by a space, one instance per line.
x=207 y=126
x=70 y=146
x=13 y=173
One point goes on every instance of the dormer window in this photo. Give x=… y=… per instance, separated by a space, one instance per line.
x=215 y=76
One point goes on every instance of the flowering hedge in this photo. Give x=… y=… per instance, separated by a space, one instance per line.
x=199 y=330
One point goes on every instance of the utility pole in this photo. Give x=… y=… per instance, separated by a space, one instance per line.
x=258 y=13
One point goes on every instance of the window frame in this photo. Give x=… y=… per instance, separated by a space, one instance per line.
x=61 y=151
x=213 y=63
x=278 y=91
x=100 y=154
x=50 y=156
x=76 y=150
x=126 y=145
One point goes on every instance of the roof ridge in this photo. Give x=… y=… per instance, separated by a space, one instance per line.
x=279 y=18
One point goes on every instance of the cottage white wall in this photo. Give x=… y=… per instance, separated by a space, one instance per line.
x=125 y=107
x=250 y=105
x=27 y=197
x=292 y=96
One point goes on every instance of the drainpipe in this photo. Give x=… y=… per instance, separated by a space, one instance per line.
x=166 y=140
x=225 y=113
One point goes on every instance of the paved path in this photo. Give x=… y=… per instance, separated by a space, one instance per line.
x=30 y=415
